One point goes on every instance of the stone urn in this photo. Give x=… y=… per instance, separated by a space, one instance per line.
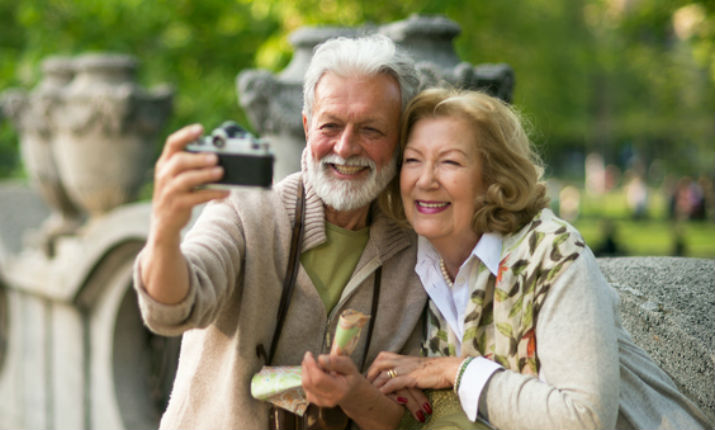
x=429 y=40
x=106 y=132
x=274 y=103
x=34 y=117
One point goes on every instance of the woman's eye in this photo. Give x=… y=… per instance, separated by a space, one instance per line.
x=452 y=162
x=409 y=160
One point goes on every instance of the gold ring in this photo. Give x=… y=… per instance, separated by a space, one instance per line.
x=391 y=373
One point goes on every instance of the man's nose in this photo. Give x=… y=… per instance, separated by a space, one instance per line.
x=348 y=143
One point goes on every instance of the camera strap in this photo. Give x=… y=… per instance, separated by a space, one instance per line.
x=291 y=274
x=315 y=418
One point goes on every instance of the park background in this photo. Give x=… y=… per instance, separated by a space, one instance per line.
x=627 y=85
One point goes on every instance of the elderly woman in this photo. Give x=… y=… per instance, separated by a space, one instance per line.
x=523 y=329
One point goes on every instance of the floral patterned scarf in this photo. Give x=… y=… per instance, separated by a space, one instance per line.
x=501 y=315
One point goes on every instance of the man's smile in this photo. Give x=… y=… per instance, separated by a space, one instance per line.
x=346 y=169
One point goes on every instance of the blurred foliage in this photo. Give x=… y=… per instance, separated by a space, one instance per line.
x=627 y=78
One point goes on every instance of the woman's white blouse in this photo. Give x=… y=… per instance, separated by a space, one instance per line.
x=452 y=303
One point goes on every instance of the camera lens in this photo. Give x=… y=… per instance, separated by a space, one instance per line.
x=218 y=141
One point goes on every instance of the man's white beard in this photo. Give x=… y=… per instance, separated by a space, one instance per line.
x=348 y=194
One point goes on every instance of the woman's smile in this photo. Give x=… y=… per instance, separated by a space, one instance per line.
x=431 y=207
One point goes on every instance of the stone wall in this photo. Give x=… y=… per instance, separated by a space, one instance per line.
x=668 y=306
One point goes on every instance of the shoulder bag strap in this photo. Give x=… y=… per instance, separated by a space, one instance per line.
x=291 y=272
x=373 y=314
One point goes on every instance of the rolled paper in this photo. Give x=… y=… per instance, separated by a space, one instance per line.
x=347 y=333
x=281 y=385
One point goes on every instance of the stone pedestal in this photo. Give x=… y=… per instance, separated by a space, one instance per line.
x=74 y=352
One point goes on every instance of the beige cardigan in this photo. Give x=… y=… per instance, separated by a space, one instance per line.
x=237 y=253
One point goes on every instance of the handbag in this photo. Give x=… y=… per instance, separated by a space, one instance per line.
x=315 y=417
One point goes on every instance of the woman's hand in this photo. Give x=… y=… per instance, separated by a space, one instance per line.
x=391 y=372
x=414 y=400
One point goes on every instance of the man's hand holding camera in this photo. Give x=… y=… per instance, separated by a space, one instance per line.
x=178 y=181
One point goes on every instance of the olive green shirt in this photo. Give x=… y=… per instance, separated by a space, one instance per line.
x=331 y=264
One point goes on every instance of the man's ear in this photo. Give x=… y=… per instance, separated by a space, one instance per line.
x=305 y=126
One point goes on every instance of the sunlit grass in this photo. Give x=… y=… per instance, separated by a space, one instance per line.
x=653 y=235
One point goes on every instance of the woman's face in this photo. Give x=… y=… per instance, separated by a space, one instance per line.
x=440 y=179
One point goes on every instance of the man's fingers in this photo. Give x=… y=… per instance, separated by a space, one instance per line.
x=312 y=374
x=180 y=138
x=307 y=367
x=182 y=162
x=337 y=363
x=317 y=384
x=190 y=180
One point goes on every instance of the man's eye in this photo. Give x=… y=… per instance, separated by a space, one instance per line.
x=373 y=131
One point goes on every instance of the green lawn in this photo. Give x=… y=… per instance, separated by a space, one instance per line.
x=654 y=235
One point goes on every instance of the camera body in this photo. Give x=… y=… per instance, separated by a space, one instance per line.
x=246 y=160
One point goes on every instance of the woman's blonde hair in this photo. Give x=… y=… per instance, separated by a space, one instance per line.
x=511 y=169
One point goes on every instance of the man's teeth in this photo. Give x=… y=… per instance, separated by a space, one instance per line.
x=348 y=170
x=433 y=205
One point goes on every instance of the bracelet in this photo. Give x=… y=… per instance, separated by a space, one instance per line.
x=460 y=372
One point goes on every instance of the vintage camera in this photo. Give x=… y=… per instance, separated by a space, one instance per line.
x=246 y=160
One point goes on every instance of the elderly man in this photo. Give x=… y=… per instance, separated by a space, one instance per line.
x=222 y=285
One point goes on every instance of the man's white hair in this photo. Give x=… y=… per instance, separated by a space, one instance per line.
x=363 y=56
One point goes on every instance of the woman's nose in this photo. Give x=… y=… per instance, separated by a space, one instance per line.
x=427 y=177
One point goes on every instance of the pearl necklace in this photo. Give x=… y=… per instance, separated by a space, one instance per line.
x=445 y=274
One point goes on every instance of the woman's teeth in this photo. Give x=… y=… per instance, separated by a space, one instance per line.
x=432 y=205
